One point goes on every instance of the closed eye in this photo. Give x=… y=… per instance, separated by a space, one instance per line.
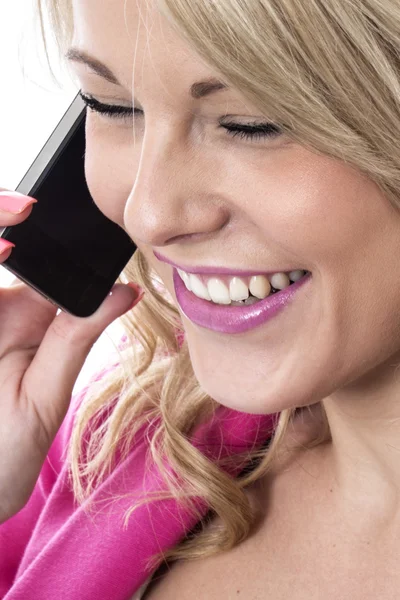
x=111 y=110
x=247 y=131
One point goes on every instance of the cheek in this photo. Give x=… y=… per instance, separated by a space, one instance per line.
x=109 y=177
x=320 y=208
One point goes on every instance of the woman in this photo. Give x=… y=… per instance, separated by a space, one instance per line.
x=254 y=146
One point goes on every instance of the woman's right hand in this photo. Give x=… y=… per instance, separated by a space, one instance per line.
x=41 y=356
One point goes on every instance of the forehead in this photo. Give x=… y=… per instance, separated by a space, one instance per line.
x=137 y=43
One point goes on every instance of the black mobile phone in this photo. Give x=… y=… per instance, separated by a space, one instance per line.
x=67 y=250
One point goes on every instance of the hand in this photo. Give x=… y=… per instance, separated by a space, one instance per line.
x=41 y=356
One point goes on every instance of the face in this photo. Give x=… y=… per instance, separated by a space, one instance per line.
x=181 y=185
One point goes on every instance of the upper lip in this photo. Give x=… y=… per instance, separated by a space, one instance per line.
x=218 y=270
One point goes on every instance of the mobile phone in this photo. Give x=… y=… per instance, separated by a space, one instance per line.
x=67 y=250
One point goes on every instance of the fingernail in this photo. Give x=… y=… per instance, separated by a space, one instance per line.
x=5 y=245
x=139 y=291
x=14 y=202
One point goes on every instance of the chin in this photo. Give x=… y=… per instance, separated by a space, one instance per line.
x=262 y=394
x=235 y=397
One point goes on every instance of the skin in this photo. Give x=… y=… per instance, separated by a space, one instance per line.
x=187 y=189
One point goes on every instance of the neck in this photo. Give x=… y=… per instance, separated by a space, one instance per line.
x=364 y=452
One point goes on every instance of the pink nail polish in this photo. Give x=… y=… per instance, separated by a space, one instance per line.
x=14 y=202
x=5 y=245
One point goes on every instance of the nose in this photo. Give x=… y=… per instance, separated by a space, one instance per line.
x=172 y=197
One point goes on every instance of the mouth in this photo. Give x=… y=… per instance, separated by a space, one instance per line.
x=220 y=313
x=238 y=291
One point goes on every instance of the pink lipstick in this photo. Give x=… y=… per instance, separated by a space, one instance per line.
x=233 y=319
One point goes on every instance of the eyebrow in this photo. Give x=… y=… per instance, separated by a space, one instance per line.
x=197 y=90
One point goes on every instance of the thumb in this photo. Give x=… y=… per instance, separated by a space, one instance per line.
x=69 y=339
x=136 y=293
x=60 y=357
x=121 y=298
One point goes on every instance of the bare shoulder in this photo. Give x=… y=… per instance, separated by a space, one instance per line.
x=222 y=575
x=301 y=545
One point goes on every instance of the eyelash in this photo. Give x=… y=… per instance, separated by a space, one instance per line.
x=245 y=131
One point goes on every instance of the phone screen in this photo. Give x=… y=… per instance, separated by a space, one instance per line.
x=67 y=249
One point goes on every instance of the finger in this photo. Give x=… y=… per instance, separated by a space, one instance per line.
x=5 y=252
x=8 y=219
x=14 y=207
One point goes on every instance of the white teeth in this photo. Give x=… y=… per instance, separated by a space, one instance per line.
x=238 y=290
x=186 y=279
x=198 y=287
x=259 y=286
x=218 y=291
x=280 y=281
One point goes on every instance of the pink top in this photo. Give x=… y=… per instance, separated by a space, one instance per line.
x=53 y=549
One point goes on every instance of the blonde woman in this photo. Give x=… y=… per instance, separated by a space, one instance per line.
x=246 y=444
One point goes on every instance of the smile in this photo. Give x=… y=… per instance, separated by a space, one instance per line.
x=238 y=290
x=235 y=316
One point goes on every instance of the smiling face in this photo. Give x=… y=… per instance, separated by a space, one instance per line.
x=199 y=196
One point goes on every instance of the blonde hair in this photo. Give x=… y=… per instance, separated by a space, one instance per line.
x=328 y=74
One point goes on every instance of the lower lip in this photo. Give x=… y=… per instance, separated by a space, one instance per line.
x=233 y=319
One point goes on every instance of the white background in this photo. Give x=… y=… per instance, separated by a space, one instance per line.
x=31 y=105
